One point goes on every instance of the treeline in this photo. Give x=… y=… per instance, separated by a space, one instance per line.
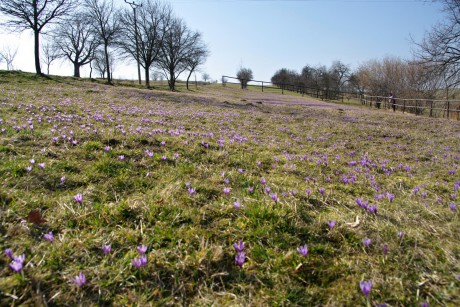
x=99 y=34
x=374 y=77
x=432 y=72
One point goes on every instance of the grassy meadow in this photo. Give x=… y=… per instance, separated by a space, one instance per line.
x=121 y=196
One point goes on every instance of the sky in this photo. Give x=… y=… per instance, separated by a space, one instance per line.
x=267 y=35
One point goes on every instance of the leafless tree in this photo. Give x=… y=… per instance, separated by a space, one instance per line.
x=35 y=15
x=441 y=46
x=105 y=21
x=197 y=56
x=100 y=63
x=205 y=76
x=153 y=22
x=49 y=54
x=76 y=41
x=244 y=75
x=340 y=74
x=8 y=54
x=176 y=49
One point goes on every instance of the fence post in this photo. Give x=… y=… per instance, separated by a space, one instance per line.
x=448 y=107
x=282 y=89
x=404 y=105
x=416 y=107
x=262 y=86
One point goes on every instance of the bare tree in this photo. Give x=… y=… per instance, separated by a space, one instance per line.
x=100 y=63
x=35 y=15
x=105 y=21
x=153 y=22
x=8 y=54
x=441 y=46
x=49 y=54
x=340 y=73
x=176 y=49
x=205 y=76
x=76 y=41
x=244 y=75
x=197 y=56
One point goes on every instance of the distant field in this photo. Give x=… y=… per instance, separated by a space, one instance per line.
x=117 y=195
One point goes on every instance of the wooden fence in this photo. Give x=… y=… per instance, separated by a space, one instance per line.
x=323 y=94
x=449 y=109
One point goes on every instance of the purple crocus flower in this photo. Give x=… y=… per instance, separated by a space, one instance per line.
x=424 y=304
x=32 y=161
x=303 y=250
x=274 y=197
x=9 y=253
x=106 y=248
x=63 y=180
x=121 y=157
x=372 y=209
x=263 y=181
x=367 y=242
x=139 y=262
x=321 y=191
x=29 y=168
x=79 y=280
x=251 y=189
x=400 y=235
x=16 y=266
x=237 y=204
x=453 y=207
x=78 y=198
x=240 y=258
x=191 y=191
x=331 y=224
x=226 y=191
x=385 y=248
x=49 y=236
x=366 y=287
x=20 y=258
x=390 y=197
x=142 y=249
x=239 y=247
x=41 y=165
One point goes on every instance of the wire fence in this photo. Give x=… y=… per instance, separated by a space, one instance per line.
x=449 y=109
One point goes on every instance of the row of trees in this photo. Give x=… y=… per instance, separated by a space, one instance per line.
x=435 y=65
x=96 y=32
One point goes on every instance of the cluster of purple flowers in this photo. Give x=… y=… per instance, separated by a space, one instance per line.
x=365 y=205
x=141 y=261
x=240 y=257
x=18 y=261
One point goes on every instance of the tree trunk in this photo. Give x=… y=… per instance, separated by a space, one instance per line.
x=172 y=81
x=106 y=51
x=188 y=78
x=76 y=69
x=37 y=52
x=147 y=77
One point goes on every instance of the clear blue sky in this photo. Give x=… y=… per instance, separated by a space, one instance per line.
x=268 y=35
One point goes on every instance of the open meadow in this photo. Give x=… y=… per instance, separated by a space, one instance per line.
x=116 y=196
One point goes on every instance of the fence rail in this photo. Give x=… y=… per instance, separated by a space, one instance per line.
x=323 y=94
x=449 y=109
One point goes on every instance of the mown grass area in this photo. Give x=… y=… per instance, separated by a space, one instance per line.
x=84 y=165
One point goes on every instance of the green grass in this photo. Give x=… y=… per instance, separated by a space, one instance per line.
x=212 y=138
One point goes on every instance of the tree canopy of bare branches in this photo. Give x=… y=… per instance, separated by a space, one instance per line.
x=440 y=48
x=177 y=48
x=153 y=22
x=35 y=15
x=76 y=41
x=244 y=75
x=105 y=21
